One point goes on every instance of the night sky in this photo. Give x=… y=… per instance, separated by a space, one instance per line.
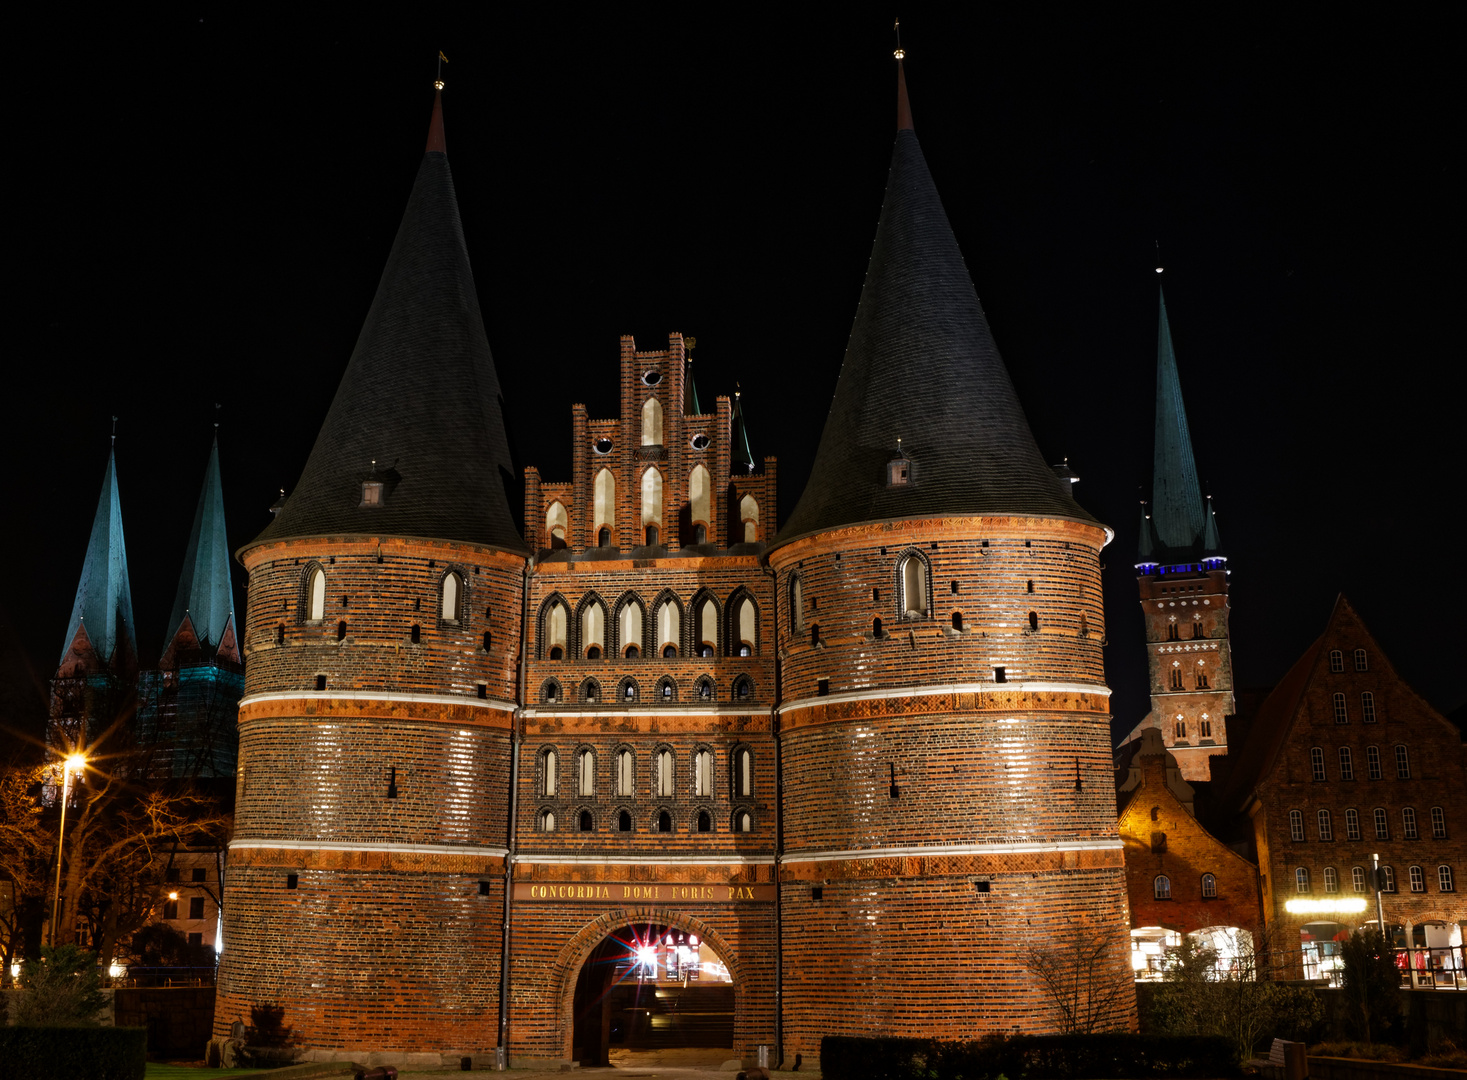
x=202 y=203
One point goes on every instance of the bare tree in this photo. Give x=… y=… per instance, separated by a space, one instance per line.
x=24 y=845
x=1085 y=978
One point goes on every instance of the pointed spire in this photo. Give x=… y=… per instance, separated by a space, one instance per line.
x=1211 y=541
x=205 y=598
x=740 y=452
x=904 y=107
x=1176 y=503
x=1146 y=545
x=420 y=396
x=436 y=142
x=921 y=364
x=690 y=390
x=102 y=612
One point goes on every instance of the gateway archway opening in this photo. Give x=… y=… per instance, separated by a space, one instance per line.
x=651 y=987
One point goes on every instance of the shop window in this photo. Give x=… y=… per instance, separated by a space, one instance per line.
x=1403 y=764
x=1408 y=823
x=587 y=821
x=1417 y=878
x=1372 y=762
x=1438 y=823
x=1342 y=714
x=1326 y=827
x=1331 y=879
x=1357 y=878
x=1209 y=887
x=586 y=772
x=1360 y=662
x=1296 y=826
x=1352 y=824
x=1316 y=763
x=1444 y=878
x=1367 y=707
x=1162 y=887
x=1301 y=879
x=1347 y=764
x=1382 y=824
x=1336 y=661
x=549 y=773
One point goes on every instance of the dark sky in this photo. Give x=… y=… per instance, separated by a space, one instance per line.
x=202 y=203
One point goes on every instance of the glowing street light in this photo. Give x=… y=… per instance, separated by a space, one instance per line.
x=75 y=762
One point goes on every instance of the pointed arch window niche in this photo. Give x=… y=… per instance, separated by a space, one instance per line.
x=451 y=598
x=652 y=423
x=315 y=594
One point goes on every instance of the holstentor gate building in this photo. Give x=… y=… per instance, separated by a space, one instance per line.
x=835 y=778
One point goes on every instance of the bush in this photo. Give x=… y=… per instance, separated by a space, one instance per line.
x=1027 y=1057
x=97 y=1053
x=63 y=988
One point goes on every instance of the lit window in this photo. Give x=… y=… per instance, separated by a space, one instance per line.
x=1372 y=762
x=625 y=773
x=1357 y=878
x=1438 y=823
x=1444 y=878
x=1336 y=661
x=549 y=765
x=1408 y=823
x=371 y=493
x=1316 y=763
x=1352 y=824
x=665 y=781
x=743 y=772
x=1331 y=880
x=1360 y=662
x=669 y=627
x=593 y=630
x=1418 y=879
x=556 y=619
x=1301 y=879
x=1326 y=827
x=1347 y=764
x=1342 y=713
x=703 y=774
x=1162 y=887
x=1296 y=826
x=1382 y=826
x=316 y=610
x=1403 y=764
x=586 y=772
x=1367 y=707
x=1209 y=886
x=453 y=587
x=914 y=586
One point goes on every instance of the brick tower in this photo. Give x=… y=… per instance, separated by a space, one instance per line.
x=1183 y=580
x=367 y=869
x=943 y=723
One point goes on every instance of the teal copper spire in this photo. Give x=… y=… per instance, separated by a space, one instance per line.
x=204 y=592
x=103 y=605
x=1176 y=503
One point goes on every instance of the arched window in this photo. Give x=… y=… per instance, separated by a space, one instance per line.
x=1162 y=887
x=557 y=521
x=1342 y=712
x=748 y=621
x=1361 y=664
x=1316 y=763
x=629 y=630
x=1033 y=621
x=587 y=822
x=624 y=822
x=743 y=688
x=1301 y=879
x=700 y=499
x=1336 y=661
x=550 y=692
x=666 y=780
x=743 y=821
x=1156 y=813
x=1347 y=764
x=586 y=772
x=1408 y=823
x=667 y=690
x=1388 y=879
x=652 y=423
x=626 y=777
x=1403 y=763
x=1331 y=879
x=556 y=619
x=1352 y=824
x=628 y=690
x=452 y=597
x=669 y=628
x=549 y=769
x=914 y=586
x=341 y=630
x=547 y=820
x=1367 y=707
x=1438 y=823
x=664 y=821
x=1444 y=878
x=705 y=689
x=316 y=595
x=593 y=630
x=749 y=516
x=876 y=631
x=604 y=503
x=705 y=822
x=651 y=505
x=1372 y=762
x=703 y=774
x=1209 y=887
x=797 y=605
x=1296 y=826
x=1357 y=878
x=707 y=628
x=1382 y=824
x=957 y=620
x=1326 y=826
x=1418 y=879
x=743 y=772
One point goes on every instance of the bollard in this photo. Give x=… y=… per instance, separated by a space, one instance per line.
x=1296 y=1064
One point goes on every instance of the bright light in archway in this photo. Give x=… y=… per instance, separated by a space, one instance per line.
x=647 y=957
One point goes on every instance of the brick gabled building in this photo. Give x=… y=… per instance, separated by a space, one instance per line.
x=1182 y=576
x=1344 y=761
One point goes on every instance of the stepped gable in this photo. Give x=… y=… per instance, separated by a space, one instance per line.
x=205 y=600
x=102 y=611
x=420 y=397
x=1177 y=513
x=921 y=366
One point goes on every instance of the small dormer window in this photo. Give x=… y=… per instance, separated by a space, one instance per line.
x=371 y=493
x=898 y=473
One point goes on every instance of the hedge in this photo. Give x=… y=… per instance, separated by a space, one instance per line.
x=93 y=1053
x=1028 y=1057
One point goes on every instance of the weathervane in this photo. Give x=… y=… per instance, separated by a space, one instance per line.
x=114 y=431
x=438 y=82
x=898 y=52
x=1159 y=267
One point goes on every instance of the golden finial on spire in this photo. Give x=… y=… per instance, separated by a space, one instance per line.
x=438 y=82
x=899 y=52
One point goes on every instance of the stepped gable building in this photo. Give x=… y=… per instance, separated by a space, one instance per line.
x=1346 y=761
x=492 y=793
x=1183 y=580
x=943 y=722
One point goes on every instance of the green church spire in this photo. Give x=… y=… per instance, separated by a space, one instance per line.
x=1176 y=503
x=103 y=606
x=204 y=593
x=741 y=453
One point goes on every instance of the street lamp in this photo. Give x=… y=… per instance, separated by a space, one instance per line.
x=77 y=762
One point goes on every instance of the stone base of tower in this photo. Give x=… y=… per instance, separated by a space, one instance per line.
x=876 y=947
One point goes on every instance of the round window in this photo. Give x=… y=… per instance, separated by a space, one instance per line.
x=603 y=446
x=652 y=378
x=700 y=442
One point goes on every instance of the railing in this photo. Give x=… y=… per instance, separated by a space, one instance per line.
x=164 y=976
x=1438 y=968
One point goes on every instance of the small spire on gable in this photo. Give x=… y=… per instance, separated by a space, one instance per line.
x=436 y=142
x=904 y=107
x=740 y=452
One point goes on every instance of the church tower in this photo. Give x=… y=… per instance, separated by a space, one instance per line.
x=1183 y=580
x=943 y=723
x=367 y=869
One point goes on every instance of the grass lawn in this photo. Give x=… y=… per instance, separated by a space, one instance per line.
x=157 y=1071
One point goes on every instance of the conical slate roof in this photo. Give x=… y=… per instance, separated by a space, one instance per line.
x=204 y=593
x=1176 y=502
x=103 y=596
x=921 y=366
x=420 y=397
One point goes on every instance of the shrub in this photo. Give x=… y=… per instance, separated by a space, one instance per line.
x=1030 y=1057
x=97 y=1053
x=63 y=988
